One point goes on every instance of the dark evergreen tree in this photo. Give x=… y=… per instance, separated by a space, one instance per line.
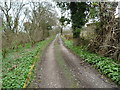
x=79 y=11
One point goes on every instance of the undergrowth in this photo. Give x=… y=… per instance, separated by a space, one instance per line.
x=15 y=71
x=105 y=65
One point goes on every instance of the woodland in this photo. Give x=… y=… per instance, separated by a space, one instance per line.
x=29 y=27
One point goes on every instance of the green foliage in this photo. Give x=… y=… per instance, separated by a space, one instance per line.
x=63 y=5
x=78 y=16
x=95 y=4
x=15 y=71
x=79 y=11
x=94 y=11
x=105 y=65
x=63 y=19
x=1 y=28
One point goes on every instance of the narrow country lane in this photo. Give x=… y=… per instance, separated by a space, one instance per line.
x=59 y=68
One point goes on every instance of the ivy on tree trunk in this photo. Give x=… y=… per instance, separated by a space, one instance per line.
x=78 y=17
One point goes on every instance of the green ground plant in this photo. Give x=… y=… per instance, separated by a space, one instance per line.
x=15 y=70
x=105 y=65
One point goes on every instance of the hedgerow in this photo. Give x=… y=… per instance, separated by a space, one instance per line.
x=105 y=65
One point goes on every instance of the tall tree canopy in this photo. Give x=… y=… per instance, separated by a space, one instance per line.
x=79 y=11
x=64 y=21
x=78 y=16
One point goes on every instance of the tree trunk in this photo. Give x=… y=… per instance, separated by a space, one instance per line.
x=61 y=30
x=76 y=36
x=76 y=41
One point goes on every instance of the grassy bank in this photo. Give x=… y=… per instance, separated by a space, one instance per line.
x=105 y=65
x=18 y=64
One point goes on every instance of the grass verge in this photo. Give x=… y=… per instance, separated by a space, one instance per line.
x=16 y=72
x=105 y=65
